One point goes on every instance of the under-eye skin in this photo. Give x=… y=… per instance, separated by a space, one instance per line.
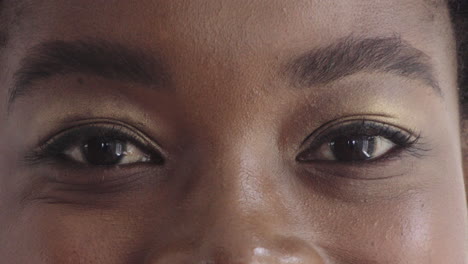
x=96 y=145
x=360 y=141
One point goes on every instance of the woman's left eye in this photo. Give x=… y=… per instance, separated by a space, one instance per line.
x=359 y=141
x=102 y=151
x=353 y=148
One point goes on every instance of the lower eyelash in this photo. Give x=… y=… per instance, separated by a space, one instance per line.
x=416 y=148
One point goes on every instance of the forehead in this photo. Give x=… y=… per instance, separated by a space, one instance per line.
x=243 y=24
x=241 y=31
x=240 y=41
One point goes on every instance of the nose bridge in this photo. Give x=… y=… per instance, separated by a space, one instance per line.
x=235 y=211
x=248 y=217
x=246 y=170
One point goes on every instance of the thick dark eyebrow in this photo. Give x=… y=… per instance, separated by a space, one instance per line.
x=91 y=57
x=351 y=55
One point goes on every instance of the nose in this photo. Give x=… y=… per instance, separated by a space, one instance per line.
x=242 y=206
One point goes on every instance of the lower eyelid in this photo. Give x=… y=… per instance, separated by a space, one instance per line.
x=88 y=186
x=373 y=170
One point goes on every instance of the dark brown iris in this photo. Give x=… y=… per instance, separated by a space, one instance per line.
x=103 y=152
x=353 y=148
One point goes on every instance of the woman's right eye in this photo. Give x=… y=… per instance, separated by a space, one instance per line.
x=99 y=145
x=101 y=151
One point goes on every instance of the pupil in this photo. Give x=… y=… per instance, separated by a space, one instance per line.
x=353 y=149
x=102 y=151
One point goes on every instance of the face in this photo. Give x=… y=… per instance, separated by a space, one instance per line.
x=230 y=132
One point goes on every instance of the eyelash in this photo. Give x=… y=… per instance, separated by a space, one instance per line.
x=54 y=148
x=409 y=142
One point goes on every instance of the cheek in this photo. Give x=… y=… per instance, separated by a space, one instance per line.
x=422 y=225
x=425 y=227
x=383 y=232
x=55 y=235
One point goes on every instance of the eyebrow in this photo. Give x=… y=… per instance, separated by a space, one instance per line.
x=351 y=55
x=101 y=58
x=115 y=61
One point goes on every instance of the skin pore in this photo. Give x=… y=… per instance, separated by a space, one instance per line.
x=231 y=114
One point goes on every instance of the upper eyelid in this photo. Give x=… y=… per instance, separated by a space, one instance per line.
x=105 y=126
x=73 y=131
x=76 y=122
x=348 y=118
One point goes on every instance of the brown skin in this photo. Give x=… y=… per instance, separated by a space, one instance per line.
x=231 y=190
x=464 y=139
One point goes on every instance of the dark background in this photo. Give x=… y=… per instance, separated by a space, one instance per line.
x=459 y=9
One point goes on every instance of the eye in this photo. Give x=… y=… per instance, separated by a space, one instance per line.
x=99 y=145
x=354 y=148
x=101 y=151
x=357 y=141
